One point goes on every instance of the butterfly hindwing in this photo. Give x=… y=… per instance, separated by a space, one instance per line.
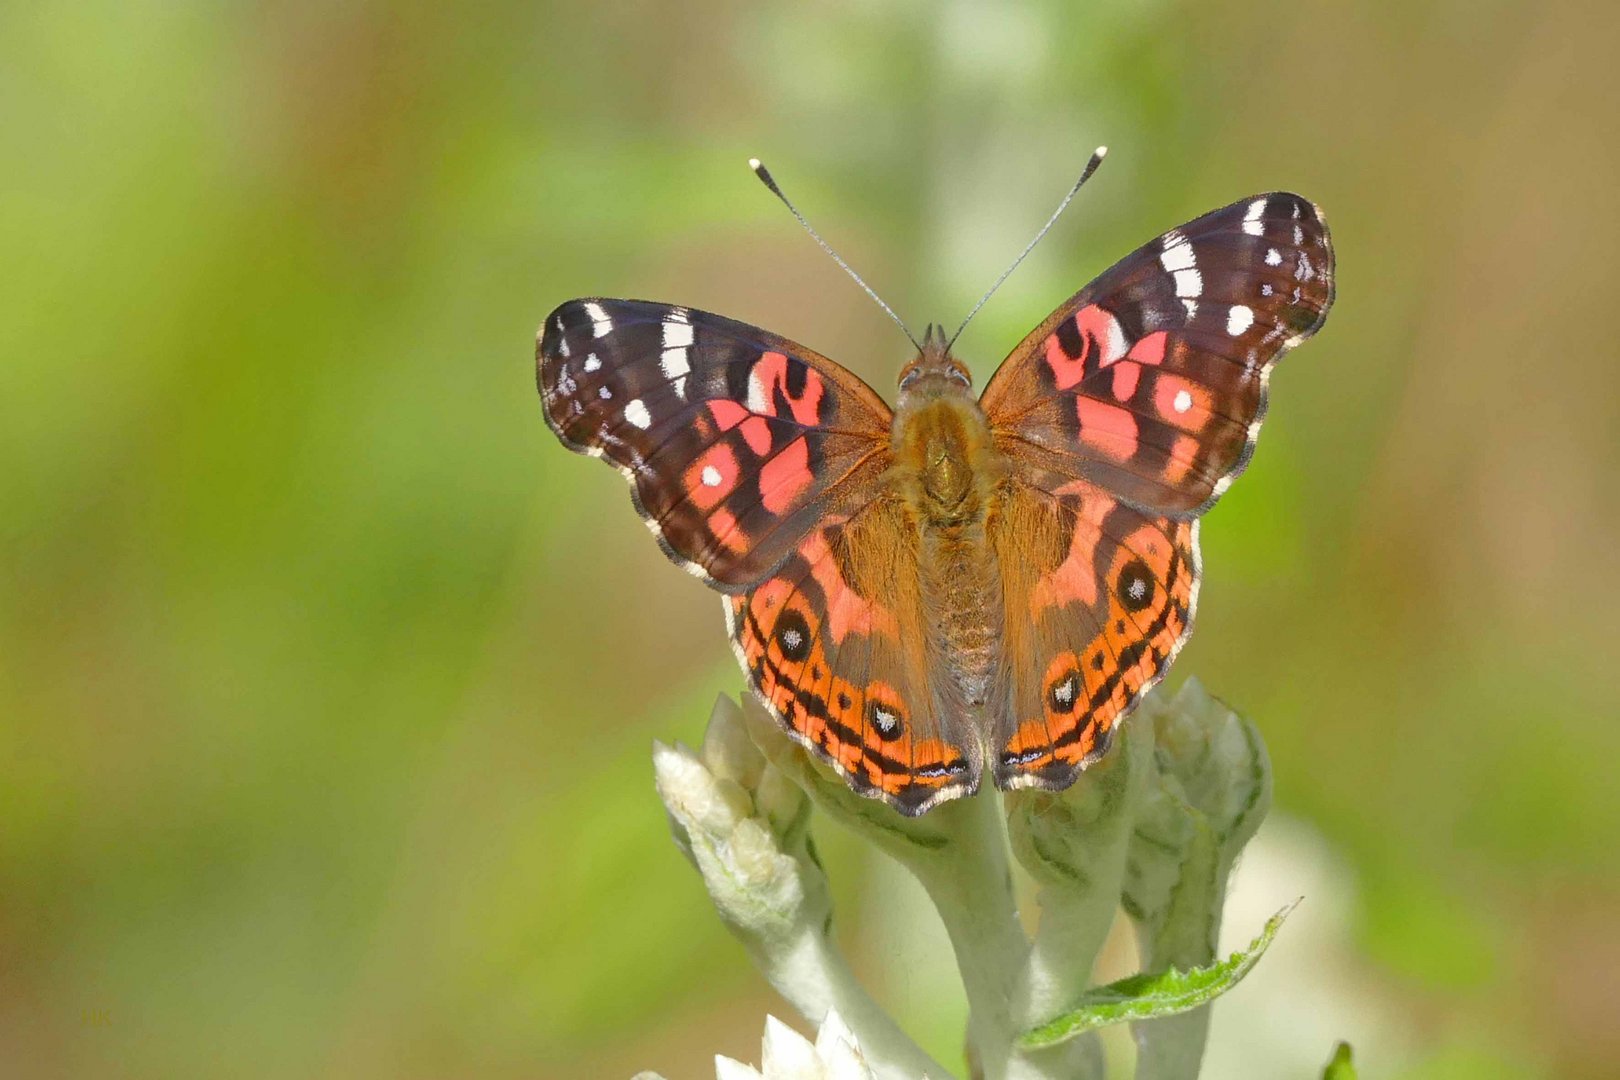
x=1151 y=381
x=735 y=441
x=835 y=643
x=1099 y=598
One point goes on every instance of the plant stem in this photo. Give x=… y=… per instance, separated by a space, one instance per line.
x=809 y=972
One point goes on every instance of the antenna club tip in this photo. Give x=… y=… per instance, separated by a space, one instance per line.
x=1101 y=151
x=753 y=163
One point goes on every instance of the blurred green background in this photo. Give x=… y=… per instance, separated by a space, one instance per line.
x=328 y=680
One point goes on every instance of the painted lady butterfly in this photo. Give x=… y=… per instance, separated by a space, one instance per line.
x=919 y=592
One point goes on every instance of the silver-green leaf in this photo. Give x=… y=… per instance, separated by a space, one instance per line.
x=1149 y=996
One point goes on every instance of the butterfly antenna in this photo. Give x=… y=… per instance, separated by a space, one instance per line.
x=769 y=181
x=1091 y=167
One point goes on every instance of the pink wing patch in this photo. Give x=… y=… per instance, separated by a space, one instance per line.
x=1150 y=382
x=736 y=442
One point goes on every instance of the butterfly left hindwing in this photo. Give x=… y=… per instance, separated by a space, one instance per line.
x=835 y=644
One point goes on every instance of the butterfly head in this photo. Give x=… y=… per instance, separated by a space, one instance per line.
x=934 y=372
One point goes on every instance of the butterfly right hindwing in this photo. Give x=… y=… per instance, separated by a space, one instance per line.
x=1099 y=599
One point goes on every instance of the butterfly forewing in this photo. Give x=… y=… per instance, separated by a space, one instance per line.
x=735 y=441
x=1151 y=381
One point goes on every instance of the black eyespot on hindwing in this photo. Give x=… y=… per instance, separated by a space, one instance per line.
x=1064 y=693
x=885 y=720
x=793 y=635
x=1135 y=586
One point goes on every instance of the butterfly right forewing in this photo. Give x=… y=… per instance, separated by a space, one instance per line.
x=1151 y=381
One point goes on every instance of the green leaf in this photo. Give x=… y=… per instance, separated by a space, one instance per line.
x=1149 y=996
x=1341 y=1067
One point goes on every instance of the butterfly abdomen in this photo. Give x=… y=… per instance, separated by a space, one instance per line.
x=948 y=471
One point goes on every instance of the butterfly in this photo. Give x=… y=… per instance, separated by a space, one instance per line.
x=955 y=584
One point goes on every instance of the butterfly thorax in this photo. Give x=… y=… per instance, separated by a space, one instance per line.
x=947 y=472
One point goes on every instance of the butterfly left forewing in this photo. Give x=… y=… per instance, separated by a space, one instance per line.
x=1099 y=597
x=1151 y=381
x=735 y=441
x=836 y=645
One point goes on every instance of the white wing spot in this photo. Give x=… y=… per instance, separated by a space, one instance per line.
x=1177 y=253
x=1192 y=308
x=1063 y=692
x=603 y=325
x=1265 y=288
x=711 y=476
x=1273 y=257
x=637 y=414
x=1114 y=344
x=1239 y=319
x=674 y=363
x=1303 y=270
x=677 y=340
x=1251 y=220
x=1299 y=236
x=1189 y=283
x=1183 y=401
x=562 y=347
x=677 y=331
x=604 y=393
x=592 y=364
x=758 y=400
x=1138 y=587
x=1116 y=339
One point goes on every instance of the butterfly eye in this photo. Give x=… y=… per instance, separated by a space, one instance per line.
x=953 y=371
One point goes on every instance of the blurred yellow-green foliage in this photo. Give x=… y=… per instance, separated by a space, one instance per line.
x=327 y=679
